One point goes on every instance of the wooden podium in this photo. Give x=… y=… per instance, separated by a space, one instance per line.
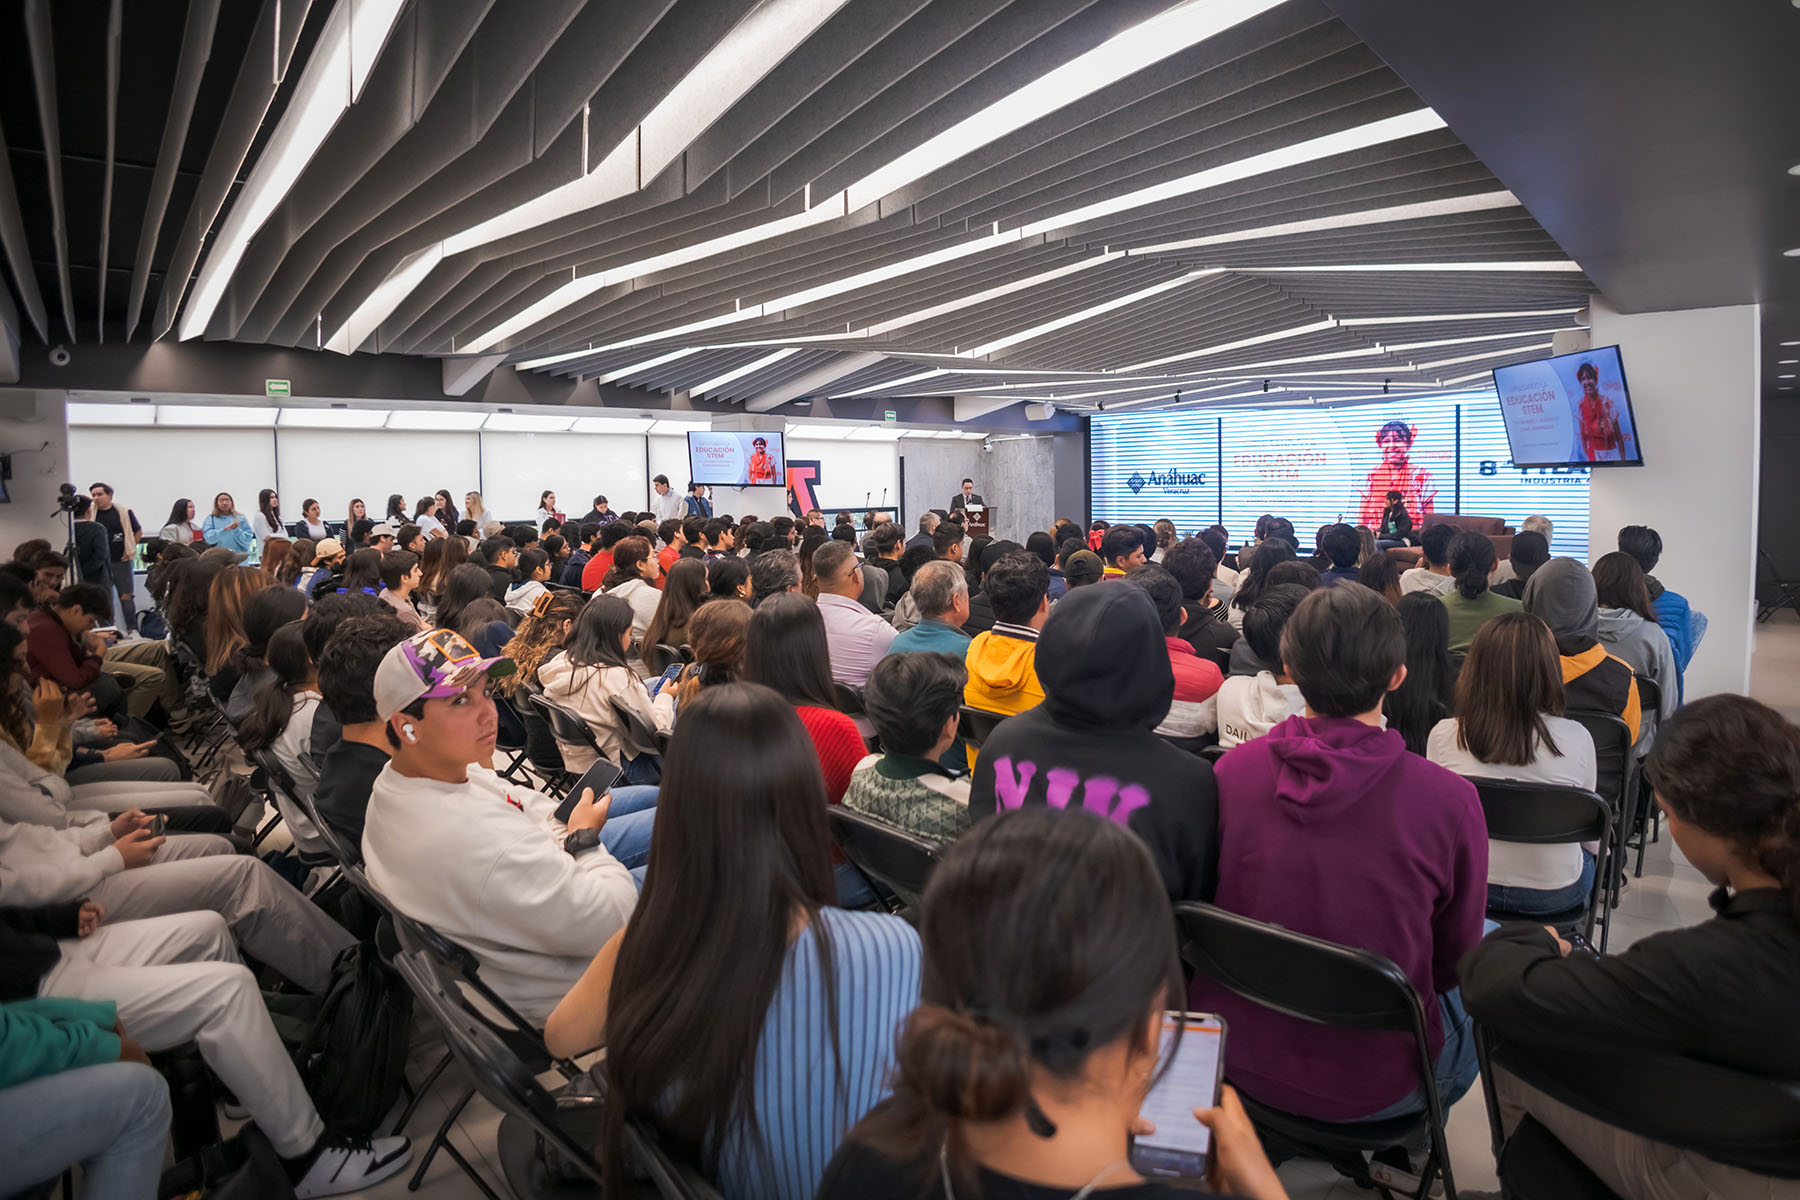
x=979 y=520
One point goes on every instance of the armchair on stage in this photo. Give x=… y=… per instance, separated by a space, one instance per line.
x=1496 y=529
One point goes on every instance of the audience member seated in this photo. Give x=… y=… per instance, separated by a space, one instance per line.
x=1023 y=1070
x=590 y=675
x=1561 y=594
x=1329 y=827
x=62 y=646
x=534 y=573
x=759 y=1091
x=1002 y=661
x=264 y=613
x=1248 y=706
x=1726 y=773
x=981 y=607
x=728 y=578
x=914 y=701
x=1471 y=603
x=940 y=594
x=168 y=981
x=1684 y=625
x=1433 y=572
x=346 y=676
x=401 y=576
x=328 y=563
x=1121 y=549
x=1530 y=550
x=773 y=572
x=718 y=634
x=499 y=556
x=481 y=860
x=684 y=591
x=1091 y=743
x=1204 y=625
x=1268 y=555
x=1382 y=576
x=1629 y=631
x=1342 y=547
x=856 y=637
x=633 y=579
x=1428 y=693
x=468 y=607
x=1197 y=679
x=1509 y=724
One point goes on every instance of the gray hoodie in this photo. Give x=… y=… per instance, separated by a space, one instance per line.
x=1644 y=647
x=1561 y=594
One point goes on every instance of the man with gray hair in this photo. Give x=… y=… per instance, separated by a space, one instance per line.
x=941 y=591
x=857 y=637
x=771 y=573
x=1538 y=524
x=1506 y=575
x=928 y=523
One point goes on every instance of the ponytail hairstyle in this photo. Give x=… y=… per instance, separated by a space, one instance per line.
x=1730 y=765
x=286 y=656
x=1046 y=938
x=1472 y=557
x=628 y=560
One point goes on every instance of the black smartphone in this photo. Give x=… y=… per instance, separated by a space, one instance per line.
x=158 y=823
x=601 y=777
x=665 y=679
x=1191 y=1061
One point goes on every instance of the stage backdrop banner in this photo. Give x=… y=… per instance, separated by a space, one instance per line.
x=1316 y=466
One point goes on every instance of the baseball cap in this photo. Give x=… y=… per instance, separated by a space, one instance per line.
x=383 y=530
x=1083 y=564
x=327 y=549
x=430 y=666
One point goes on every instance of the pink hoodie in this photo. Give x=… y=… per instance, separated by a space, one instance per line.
x=1329 y=827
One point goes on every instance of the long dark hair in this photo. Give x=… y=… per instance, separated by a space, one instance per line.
x=468 y=602
x=190 y=583
x=396 y=509
x=595 y=640
x=1620 y=583
x=684 y=590
x=15 y=716
x=1511 y=680
x=740 y=855
x=286 y=656
x=1425 y=697
x=628 y=555
x=1046 y=938
x=178 y=515
x=363 y=570
x=1262 y=560
x=450 y=516
x=271 y=512
x=788 y=651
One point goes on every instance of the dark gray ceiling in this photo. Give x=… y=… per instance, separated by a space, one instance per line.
x=474 y=108
x=1657 y=140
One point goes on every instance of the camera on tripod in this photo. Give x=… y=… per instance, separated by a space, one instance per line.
x=66 y=498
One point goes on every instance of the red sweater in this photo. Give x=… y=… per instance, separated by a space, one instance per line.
x=839 y=744
x=52 y=652
x=596 y=570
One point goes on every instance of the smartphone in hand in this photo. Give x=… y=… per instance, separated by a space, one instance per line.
x=664 y=680
x=600 y=777
x=1190 y=1070
x=158 y=823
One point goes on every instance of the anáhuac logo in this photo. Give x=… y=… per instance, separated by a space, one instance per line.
x=1172 y=481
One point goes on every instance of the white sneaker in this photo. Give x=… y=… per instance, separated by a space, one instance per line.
x=350 y=1164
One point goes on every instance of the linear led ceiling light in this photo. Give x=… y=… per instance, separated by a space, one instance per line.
x=1089 y=313
x=1373 y=216
x=329 y=84
x=1535 y=265
x=749 y=368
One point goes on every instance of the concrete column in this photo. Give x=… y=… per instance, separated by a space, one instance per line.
x=1693 y=381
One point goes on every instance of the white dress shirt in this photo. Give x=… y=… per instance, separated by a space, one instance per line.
x=857 y=637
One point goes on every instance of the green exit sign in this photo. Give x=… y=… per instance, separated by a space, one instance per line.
x=892 y=415
x=277 y=387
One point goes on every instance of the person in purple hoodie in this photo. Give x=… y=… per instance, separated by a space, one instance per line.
x=1329 y=827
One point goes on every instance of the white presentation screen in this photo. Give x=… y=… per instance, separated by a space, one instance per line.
x=1317 y=466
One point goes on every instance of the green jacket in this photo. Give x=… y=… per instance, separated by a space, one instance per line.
x=43 y=1037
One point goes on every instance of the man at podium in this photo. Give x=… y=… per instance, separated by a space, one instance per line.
x=966 y=497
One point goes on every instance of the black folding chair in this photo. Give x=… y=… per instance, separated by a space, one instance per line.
x=1214 y=752
x=640 y=735
x=849 y=699
x=976 y=725
x=1617 y=784
x=1787 y=595
x=661 y=656
x=1645 y=816
x=316 y=854
x=497 y=1071
x=514 y=750
x=1548 y=814
x=542 y=753
x=1729 y=1116
x=673 y=1178
x=1322 y=983
x=901 y=862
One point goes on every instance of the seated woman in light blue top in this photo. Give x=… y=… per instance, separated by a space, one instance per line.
x=226 y=526
x=743 y=1014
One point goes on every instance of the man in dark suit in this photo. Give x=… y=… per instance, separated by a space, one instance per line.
x=928 y=521
x=966 y=497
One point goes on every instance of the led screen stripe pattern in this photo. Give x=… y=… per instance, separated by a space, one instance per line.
x=1315 y=466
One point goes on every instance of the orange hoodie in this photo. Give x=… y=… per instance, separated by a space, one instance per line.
x=1002 y=676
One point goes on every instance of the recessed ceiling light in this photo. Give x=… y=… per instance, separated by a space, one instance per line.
x=1794 y=253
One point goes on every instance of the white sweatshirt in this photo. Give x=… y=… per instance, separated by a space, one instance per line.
x=1251 y=705
x=482 y=862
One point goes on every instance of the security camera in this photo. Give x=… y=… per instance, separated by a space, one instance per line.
x=60 y=356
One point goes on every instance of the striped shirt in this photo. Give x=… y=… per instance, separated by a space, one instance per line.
x=804 y=1103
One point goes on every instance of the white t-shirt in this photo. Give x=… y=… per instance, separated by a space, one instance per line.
x=1420 y=580
x=1248 y=706
x=264 y=529
x=429 y=524
x=1513 y=864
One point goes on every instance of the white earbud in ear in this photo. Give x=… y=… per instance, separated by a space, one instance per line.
x=407 y=729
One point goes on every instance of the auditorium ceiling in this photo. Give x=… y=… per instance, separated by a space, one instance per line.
x=1096 y=203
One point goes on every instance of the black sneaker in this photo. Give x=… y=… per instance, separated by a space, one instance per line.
x=342 y=1165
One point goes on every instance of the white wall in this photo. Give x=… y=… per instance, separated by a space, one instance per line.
x=853 y=475
x=1693 y=381
x=333 y=467
x=517 y=467
x=150 y=469
x=29 y=420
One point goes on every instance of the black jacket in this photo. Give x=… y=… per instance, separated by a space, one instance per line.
x=1209 y=633
x=1722 y=991
x=1395 y=523
x=28 y=949
x=1104 y=666
x=957 y=501
x=92 y=560
x=503 y=580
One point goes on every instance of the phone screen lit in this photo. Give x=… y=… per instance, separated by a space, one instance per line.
x=1180 y=1144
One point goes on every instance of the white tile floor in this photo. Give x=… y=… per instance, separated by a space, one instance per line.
x=1670 y=894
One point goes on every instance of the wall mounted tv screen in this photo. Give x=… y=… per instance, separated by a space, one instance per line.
x=1573 y=410
x=736 y=459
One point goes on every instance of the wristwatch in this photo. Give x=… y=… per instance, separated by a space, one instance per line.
x=581 y=841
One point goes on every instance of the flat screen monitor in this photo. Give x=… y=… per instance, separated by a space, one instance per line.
x=726 y=459
x=1573 y=410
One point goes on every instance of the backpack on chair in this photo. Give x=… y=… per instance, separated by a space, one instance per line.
x=354 y=1062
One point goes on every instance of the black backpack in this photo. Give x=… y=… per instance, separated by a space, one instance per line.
x=354 y=1061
